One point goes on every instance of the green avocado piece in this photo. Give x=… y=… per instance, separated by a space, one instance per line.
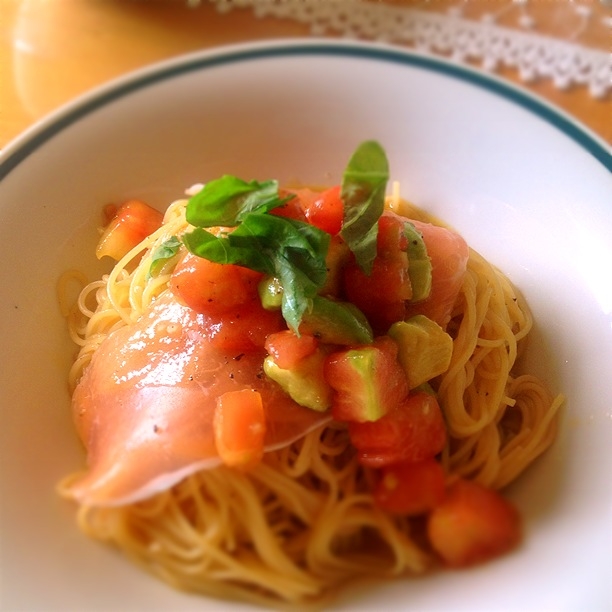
x=270 y=293
x=306 y=383
x=334 y=322
x=425 y=349
x=419 y=266
x=367 y=402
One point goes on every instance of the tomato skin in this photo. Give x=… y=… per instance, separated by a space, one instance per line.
x=391 y=239
x=358 y=396
x=245 y=328
x=287 y=349
x=127 y=227
x=293 y=208
x=326 y=211
x=413 y=432
x=473 y=524
x=382 y=295
x=212 y=288
x=239 y=426
x=410 y=488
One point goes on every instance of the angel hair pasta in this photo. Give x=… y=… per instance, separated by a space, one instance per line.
x=282 y=390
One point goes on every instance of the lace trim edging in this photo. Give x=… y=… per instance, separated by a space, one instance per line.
x=492 y=46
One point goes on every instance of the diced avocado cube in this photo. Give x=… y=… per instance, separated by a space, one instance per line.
x=419 y=264
x=368 y=381
x=425 y=349
x=367 y=403
x=305 y=384
x=270 y=293
x=335 y=322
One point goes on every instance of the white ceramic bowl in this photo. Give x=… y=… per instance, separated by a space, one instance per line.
x=524 y=184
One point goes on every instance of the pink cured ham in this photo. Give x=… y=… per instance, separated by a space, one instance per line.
x=449 y=254
x=144 y=406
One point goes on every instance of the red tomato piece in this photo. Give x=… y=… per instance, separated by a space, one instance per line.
x=239 y=427
x=473 y=524
x=413 y=432
x=287 y=349
x=410 y=488
x=382 y=295
x=368 y=381
x=131 y=223
x=293 y=208
x=212 y=288
x=245 y=328
x=391 y=238
x=326 y=211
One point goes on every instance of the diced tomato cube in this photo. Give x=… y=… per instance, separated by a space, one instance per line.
x=293 y=208
x=213 y=288
x=391 y=238
x=239 y=426
x=410 y=488
x=130 y=224
x=368 y=381
x=473 y=524
x=413 y=432
x=326 y=210
x=382 y=294
x=288 y=349
x=245 y=328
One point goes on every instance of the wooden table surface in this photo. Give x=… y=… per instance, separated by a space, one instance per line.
x=54 y=50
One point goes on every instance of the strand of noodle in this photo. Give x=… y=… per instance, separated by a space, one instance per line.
x=301 y=502
x=113 y=285
x=537 y=433
x=483 y=464
x=479 y=456
x=344 y=521
x=296 y=459
x=181 y=550
x=93 y=289
x=269 y=550
x=465 y=340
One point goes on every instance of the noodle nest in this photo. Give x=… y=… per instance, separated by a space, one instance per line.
x=303 y=521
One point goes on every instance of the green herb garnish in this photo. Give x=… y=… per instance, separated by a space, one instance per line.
x=162 y=254
x=227 y=200
x=363 y=192
x=290 y=250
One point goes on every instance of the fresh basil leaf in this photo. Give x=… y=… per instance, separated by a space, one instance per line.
x=224 y=250
x=291 y=250
x=363 y=193
x=227 y=200
x=164 y=252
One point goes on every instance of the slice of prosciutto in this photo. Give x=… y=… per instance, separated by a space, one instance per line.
x=144 y=406
x=449 y=254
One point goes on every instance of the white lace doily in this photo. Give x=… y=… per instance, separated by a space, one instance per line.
x=484 y=41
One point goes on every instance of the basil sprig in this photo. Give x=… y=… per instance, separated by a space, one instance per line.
x=290 y=250
x=363 y=193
